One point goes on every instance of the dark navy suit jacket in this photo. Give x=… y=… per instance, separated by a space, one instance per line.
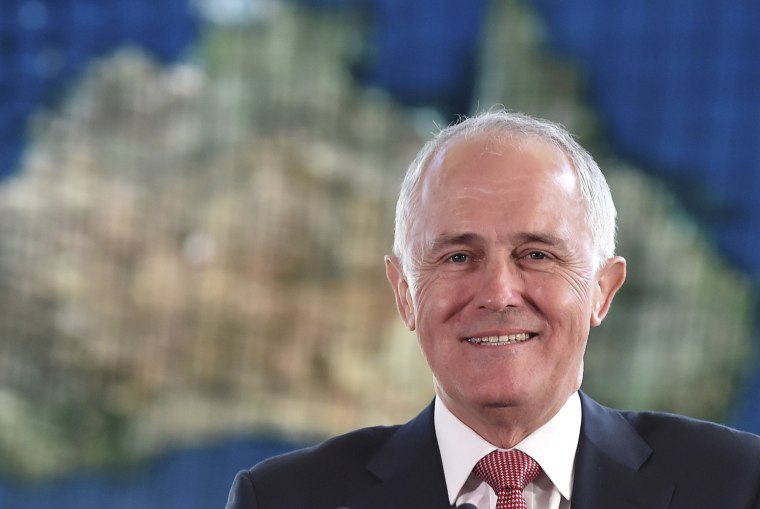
x=625 y=460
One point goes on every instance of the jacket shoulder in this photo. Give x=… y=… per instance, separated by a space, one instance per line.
x=700 y=452
x=343 y=451
x=664 y=430
x=323 y=475
x=661 y=456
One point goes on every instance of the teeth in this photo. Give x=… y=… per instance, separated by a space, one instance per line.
x=501 y=340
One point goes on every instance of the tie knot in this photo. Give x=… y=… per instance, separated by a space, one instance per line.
x=507 y=470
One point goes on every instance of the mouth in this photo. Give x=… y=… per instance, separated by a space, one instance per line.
x=509 y=339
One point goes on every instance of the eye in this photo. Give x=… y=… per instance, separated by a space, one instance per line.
x=537 y=255
x=458 y=258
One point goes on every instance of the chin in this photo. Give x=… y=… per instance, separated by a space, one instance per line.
x=501 y=404
x=500 y=400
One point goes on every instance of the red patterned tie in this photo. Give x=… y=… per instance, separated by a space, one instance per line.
x=508 y=472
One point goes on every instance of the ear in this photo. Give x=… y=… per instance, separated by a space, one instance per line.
x=401 y=290
x=609 y=280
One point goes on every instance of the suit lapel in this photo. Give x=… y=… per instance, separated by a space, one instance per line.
x=409 y=470
x=608 y=465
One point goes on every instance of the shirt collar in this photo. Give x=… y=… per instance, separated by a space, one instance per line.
x=553 y=446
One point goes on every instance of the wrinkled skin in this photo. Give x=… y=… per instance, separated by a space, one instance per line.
x=499 y=245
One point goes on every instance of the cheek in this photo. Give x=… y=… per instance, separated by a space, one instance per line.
x=562 y=295
x=578 y=285
x=438 y=299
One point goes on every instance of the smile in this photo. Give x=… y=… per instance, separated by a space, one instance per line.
x=500 y=340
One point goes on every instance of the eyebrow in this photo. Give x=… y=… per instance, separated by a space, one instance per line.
x=444 y=241
x=541 y=237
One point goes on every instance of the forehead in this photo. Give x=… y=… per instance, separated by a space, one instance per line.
x=492 y=182
x=492 y=163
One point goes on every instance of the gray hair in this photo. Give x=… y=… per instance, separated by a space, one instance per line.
x=505 y=125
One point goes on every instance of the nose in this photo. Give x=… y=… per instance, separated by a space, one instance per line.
x=502 y=285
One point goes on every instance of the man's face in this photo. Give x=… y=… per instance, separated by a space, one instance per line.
x=503 y=287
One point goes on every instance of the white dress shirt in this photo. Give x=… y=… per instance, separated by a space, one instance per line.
x=552 y=445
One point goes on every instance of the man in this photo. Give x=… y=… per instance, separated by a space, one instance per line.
x=503 y=261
